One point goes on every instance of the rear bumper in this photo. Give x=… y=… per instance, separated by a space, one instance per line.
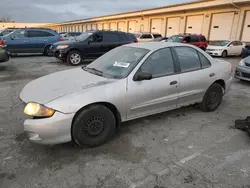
x=242 y=73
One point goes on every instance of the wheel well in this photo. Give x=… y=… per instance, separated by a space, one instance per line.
x=110 y=106
x=74 y=49
x=46 y=46
x=221 y=83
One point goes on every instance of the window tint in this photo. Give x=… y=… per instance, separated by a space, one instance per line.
x=239 y=43
x=188 y=59
x=234 y=43
x=146 y=36
x=36 y=33
x=194 y=39
x=19 y=34
x=204 y=61
x=187 y=39
x=110 y=37
x=203 y=39
x=160 y=63
x=157 y=36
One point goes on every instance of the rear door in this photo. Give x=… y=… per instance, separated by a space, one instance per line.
x=111 y=40
x=194 y=40
x=17 y=42
x=196 y=75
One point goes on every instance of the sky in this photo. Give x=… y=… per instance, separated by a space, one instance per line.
x=66 y=10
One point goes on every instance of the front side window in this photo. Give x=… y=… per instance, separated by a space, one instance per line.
x=36 y=33
x=160 y=63
x=219 y=43
x=19 y=34
x=83 y=36
x=188 y=59
x=194 y=39
x=117 y=63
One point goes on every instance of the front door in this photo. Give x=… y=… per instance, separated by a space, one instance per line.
x=196 y=75
x=232 y=48
x=158 y=94
x=17 y=42
x=95 y=46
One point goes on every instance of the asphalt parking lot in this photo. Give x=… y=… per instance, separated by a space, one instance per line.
x=177 y=149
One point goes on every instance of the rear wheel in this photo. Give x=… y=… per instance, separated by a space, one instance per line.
x=93 y=126
x=74 y=58
x=212 y=98
x=224 y=54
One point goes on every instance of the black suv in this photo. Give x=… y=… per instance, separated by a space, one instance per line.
x=91 y=44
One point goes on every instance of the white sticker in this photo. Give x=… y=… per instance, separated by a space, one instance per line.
x=121 y=64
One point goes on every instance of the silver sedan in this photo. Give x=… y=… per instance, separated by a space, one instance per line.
x=87 y=104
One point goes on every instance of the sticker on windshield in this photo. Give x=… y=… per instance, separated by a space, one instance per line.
x=121 y=64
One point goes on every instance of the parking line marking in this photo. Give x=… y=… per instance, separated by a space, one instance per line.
x=186 y=159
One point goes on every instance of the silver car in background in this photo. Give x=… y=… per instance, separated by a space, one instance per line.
x=242 y=71
x=87 y=104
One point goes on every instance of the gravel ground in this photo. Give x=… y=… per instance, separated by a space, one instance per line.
x=181 y=148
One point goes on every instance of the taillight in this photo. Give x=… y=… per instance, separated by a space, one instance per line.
x=136 y=40
x=60 y=39
x=2 y=43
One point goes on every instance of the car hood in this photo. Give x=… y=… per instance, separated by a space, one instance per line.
x=56 y=85
x=215 y=47
x=66 y=42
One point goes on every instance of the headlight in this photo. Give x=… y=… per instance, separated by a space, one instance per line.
x=38 y=110
x=60 y=47
x=242 y=63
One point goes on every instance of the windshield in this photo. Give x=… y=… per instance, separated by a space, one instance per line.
x=83 y=36
x=137 y=35
x=219 y=43
x=117 y=63
x=175 y=38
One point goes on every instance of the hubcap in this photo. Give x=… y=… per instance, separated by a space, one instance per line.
x=213 y=98
x=75 y=58
x=94 y=126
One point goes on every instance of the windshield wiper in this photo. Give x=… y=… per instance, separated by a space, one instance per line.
x=98 y=72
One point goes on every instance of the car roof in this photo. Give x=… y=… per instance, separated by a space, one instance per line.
x=155 y=45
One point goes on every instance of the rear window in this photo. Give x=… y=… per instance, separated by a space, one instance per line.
x=157 y=36
x=203 y=39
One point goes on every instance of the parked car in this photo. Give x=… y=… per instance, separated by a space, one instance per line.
x=4 y=56
x=71 y=35
x=242 y=71
x=224 y=48
x=87 y=104
x=245 y=51
x=7 y=31
x=197 y=40
x=31 y=40
x=148 y=37
x=89 y=45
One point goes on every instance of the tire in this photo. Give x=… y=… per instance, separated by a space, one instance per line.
x=93 y=126
x=74 y=58
x=224 y=54
x=47 y=51
x=212 y=98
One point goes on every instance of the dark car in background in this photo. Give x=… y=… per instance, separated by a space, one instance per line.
x=4 y=56
x=197 y=40
x=245 y=51
x=7 y=31
x=30 y=40
x=90 y=44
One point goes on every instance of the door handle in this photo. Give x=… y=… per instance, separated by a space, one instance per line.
x=212 y=74
x=173 y=82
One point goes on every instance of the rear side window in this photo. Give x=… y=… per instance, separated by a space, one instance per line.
x=110 y=37
x=205 y=63
x=157 y=36
x=203 y=39
x=146 y=36
x=188 y=58
x=239 y=43
x=194 y=39
x=36 y=33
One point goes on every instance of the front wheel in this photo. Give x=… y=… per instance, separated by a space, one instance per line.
x=93 y=126
x=74 y=58
x=212 y=98
x=224 y=54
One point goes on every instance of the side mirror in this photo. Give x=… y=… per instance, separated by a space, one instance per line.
x=231 y=45
x=139 y=76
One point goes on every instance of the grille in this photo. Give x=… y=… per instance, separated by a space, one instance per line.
x=245 y=75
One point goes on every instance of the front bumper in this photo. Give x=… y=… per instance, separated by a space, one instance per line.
x=229 y=84
x=60 y=54
x=214 y=53
x=53 y=130
x=242 y=73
